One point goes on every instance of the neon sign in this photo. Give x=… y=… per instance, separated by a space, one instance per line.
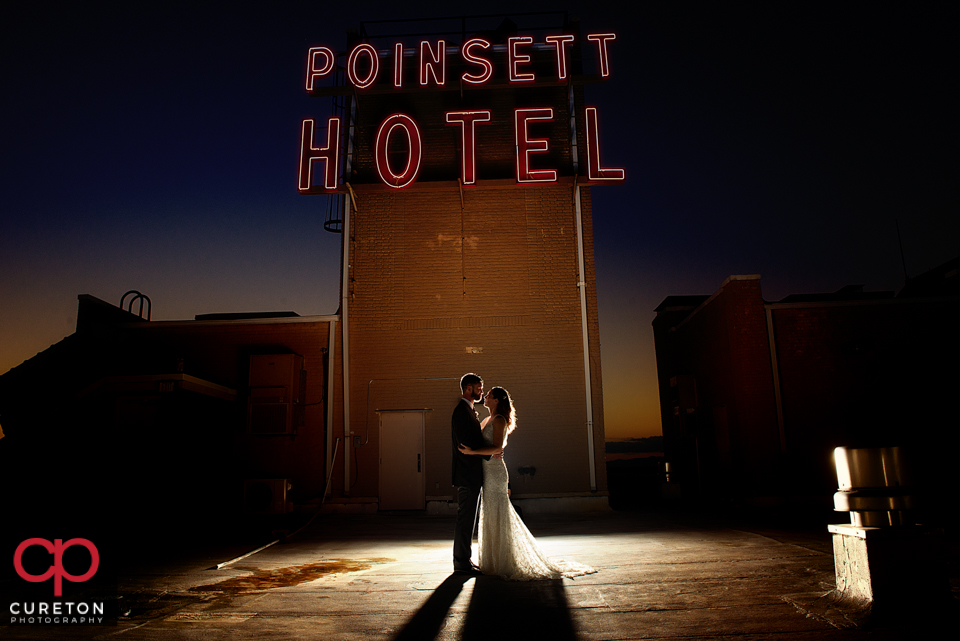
x=515 y=59
x=468 y=120
x=360 y=82
x=329 y=155
x=601 y=39
x=430 y=59
x=406 y=124
x=594 y=171
x=398 y=148
x=561 y=42
x=527 y=146
x=468 y=56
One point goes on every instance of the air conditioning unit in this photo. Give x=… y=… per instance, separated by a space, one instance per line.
x=266 y=496
x=269 y=411
x=277 y=385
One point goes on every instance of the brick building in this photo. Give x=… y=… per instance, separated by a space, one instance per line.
x=490 y=273
x=755 y=395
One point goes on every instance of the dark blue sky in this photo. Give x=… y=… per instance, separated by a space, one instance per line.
x=153 y=146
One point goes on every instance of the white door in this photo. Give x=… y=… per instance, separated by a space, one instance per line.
x=401 y=461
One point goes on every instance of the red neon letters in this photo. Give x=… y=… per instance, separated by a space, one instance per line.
x=398 y=65
x=329 y=59
x=406 y=124
x=514 y=59
x=467 y=51
x=355 y=56
x=402 y=124
x=329 y=155
x=527 y=146
x=363 y=62
x=560 y=43
x=601 y=40
x=430 y=59
x=594 y=171
x=519 y=62
x=467 y=120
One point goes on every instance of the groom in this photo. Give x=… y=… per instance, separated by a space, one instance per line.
x=467 y=471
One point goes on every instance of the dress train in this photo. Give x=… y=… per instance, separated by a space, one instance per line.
x=507 y=548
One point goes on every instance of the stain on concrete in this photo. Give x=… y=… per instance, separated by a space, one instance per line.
x=151 y=605
x=289 y=576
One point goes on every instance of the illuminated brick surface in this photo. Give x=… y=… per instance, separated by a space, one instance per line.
x=436 y=292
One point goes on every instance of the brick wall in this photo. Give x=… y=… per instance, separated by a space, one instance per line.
x=221 y=353
x=730 y=442
x=856 y=372
x=437 y=290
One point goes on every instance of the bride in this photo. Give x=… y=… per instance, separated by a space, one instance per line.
x=506 y=546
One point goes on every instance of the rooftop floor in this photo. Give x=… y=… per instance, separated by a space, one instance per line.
x=388 y=576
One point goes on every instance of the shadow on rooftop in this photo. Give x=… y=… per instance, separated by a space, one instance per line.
x=498 y=609
x=526 y=610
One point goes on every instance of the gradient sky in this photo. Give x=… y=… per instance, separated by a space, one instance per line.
x=154 y=146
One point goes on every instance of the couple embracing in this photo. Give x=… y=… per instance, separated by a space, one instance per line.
x=507 y=549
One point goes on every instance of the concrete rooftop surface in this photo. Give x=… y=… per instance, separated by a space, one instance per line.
x=662 y=575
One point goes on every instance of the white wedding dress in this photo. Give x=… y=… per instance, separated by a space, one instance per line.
x=506 y=546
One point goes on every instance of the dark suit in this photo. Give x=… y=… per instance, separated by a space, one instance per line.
x=467 y=478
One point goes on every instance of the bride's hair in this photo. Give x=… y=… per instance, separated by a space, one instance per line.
x=506 y=409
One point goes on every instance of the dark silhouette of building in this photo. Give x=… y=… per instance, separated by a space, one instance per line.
x=134 y=423
x=755 y=395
